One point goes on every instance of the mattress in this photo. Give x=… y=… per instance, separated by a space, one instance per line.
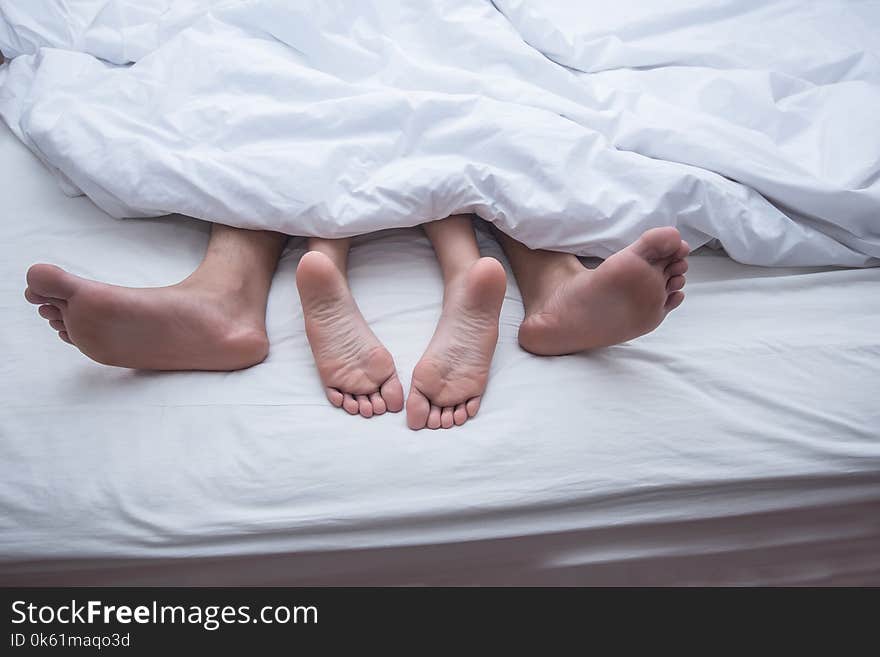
x=737 y=444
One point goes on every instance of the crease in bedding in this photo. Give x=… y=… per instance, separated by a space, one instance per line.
x=571 y=126
x=737 y=444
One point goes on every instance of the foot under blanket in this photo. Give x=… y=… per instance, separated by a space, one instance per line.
x=571 y=126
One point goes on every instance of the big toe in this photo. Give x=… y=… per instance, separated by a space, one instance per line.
x=49 y=281
x=658 y=243
x=417 y=409
x=392 y=394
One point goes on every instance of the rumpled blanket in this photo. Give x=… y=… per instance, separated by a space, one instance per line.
x=573 y=126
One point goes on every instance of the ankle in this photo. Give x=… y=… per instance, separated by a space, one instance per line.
x=453 y=280
x=222 y=287
x=241 y=308
x=453 y=275
x=555 y=272
x=563 y=267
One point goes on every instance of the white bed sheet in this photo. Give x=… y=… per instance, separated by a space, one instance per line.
x=739 y=443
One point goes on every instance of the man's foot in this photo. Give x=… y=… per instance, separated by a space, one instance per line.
x=449 y=380
x=357 y=371
x=628 y=295
x=188 y=326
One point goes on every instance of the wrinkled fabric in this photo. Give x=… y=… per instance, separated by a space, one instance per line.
x=571 y=126
x=737 y=444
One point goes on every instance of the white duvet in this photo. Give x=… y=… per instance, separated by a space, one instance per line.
x=571 y=125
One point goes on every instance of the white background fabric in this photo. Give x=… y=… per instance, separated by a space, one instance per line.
x=737 y=444
x=573 y=126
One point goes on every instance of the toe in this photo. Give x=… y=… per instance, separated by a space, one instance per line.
x=676 y=268
x=57 y=324
x=460 y=415
x=674 y=300
x=378 y=403
x=51 y=281
x=365 y=408
x=683 y=250
x=349 y=403
x=417 y=409
x=658 y=243
x=33 y=297
x=334 y=396
x=675 y=283
x=64 y=336
x=446 y=420
x=473 y=405
x=392 y=393
x=434 y=417
x=49 y=312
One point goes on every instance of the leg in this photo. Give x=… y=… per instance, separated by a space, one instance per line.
x=357 y=371
x=570 y=308
x=449 y=380
x=213 y=320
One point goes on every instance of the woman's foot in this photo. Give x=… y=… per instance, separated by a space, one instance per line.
x=193 y=325
x=628 y=295
x=449 y=380
x=357 y=371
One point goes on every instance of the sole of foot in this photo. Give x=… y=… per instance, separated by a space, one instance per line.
x=179 y=327
x=627 y=296
x=449 y=380
x=357 y=371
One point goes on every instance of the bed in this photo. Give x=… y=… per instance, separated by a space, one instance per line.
x=738 y=444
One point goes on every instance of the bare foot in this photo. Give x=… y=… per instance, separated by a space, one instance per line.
x=188 y=326
x=628 y=295
x=449 y=380
x=357 y=371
